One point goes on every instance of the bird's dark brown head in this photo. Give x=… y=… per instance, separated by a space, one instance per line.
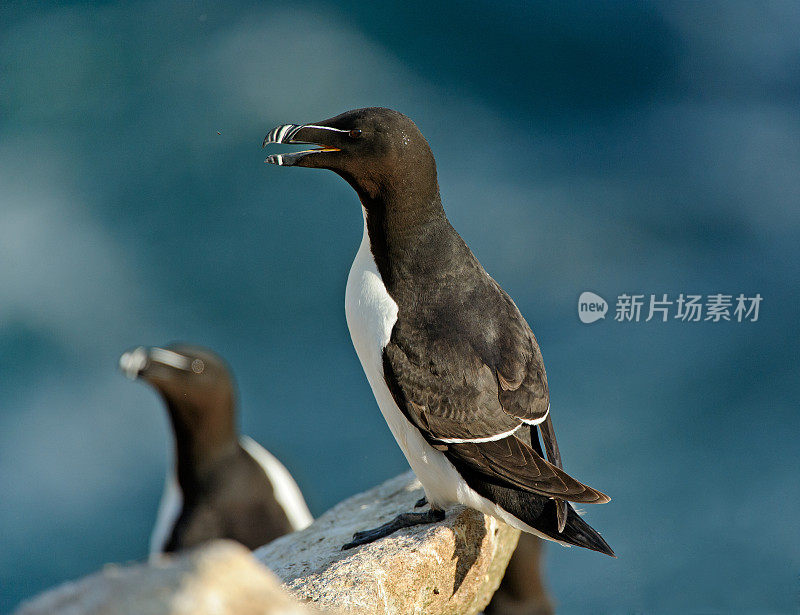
x=377 y=150
x=197 y=388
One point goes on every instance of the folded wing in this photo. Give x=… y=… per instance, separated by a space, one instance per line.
x=474 y=397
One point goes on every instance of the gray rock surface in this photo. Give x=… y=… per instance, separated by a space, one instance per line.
x=221 y=578
x=451 y=567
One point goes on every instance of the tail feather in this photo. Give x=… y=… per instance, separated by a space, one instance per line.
x=581 y=534
x=540 y=513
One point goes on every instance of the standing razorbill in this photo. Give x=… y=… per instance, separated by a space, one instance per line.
x=223 y=485
x=453 y=365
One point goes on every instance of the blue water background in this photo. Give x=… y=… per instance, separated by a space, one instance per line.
x=621 y=147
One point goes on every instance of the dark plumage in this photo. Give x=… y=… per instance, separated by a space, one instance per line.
x=460 y=362
x=227 y=485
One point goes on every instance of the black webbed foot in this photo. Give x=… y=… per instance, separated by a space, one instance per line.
x=399 y=522
x=421 y=502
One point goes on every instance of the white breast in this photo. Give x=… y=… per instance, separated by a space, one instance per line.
x=371 y=314
x=169 y=509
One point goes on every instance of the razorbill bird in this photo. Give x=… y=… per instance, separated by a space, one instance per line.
x=223 y=485
x=455 y=369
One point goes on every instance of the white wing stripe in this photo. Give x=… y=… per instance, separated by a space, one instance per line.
x=539 y=420
x=498 y=436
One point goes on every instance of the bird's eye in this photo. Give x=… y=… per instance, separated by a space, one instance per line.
x=198 y=366
x=355 y=133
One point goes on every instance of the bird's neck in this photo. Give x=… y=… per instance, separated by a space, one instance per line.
x=410 y=237
x=202 y=440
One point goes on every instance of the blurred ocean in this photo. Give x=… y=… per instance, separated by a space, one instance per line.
x=626 y=147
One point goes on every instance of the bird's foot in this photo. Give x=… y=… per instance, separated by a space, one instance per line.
x=421 y=502
x=399 y=522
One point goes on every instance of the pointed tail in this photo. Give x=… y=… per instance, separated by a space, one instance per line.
x=579 y=533
x=541 y=513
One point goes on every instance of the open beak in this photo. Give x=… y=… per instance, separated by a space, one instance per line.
x=135 y=363
x=311 y=134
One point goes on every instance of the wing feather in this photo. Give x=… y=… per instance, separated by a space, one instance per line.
x=469 y=380
x=518 y=465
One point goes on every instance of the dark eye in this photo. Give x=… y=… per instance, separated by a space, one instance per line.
x=355 y=133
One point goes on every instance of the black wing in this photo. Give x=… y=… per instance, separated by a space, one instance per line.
x=470 y=382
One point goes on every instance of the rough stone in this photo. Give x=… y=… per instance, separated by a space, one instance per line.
x=448 y=568
x=221 y=578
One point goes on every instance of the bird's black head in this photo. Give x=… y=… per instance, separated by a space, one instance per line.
x=377 y=150
x=197 y=387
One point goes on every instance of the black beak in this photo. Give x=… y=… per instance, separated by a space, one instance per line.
x=281 y=134
x=312 y=134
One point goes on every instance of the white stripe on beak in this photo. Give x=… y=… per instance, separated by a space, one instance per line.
x=287 y=132
x=322 y=128
x=168 y=357
x=282 y=132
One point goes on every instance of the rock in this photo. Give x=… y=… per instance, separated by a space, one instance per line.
x=451 y=567
x=221 y=578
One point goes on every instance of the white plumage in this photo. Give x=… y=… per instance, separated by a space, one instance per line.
x=287 y=493
x=371 y=314
x=285 y=489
